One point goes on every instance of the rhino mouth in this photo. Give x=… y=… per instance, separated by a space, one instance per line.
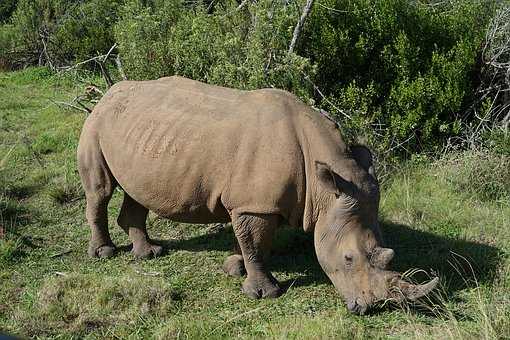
x=355 y=307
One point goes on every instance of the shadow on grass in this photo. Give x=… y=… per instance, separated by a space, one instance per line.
x=13 y=216
x=22 y=191
x=459 y=263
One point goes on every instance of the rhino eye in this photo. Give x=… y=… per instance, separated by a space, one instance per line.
x=348 y=259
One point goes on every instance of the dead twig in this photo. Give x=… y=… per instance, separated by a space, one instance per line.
x=105 y=73
x=299 y=26
x=242 y=4
x=61 y=253
x=45 y=49
x=79 y=107
x=70 y=68
x=109 y=52
x=120 y=68
x=101 y=61
x=318 y=90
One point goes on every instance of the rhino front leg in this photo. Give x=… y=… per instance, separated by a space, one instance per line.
x=254 y=232
x=132 y=219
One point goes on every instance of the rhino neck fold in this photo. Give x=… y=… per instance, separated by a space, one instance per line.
x=320 y=141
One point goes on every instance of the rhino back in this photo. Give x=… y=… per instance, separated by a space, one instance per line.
x=195 y=152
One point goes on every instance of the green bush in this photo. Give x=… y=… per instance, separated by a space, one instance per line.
x=402 y=71
x=33 y=23
x=86 y=30
x=6 y=9
x=243 y=49
x=402 y=67
x=7 y=37
x=399 y=74
x=59 y=32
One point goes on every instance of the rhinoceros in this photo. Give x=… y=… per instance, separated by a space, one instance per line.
x=198 y=153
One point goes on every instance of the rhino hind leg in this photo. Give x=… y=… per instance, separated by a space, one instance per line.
x=234 y=264
x=98 y=184
x=132 y=220
x=254 y=232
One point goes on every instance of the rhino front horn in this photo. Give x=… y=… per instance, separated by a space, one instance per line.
x=406 y=290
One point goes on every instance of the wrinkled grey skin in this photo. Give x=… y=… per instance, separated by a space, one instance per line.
x=349 y=229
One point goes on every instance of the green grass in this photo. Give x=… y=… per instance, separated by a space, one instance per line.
x=438 y=215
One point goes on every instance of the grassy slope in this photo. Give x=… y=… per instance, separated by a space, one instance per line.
x=49 y=287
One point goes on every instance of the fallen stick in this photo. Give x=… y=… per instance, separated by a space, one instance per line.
x=80 y=108
x=61 y=253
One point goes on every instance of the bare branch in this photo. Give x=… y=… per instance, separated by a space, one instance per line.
x=69 y=68
x=45 y=51
x=120 y=68
x=242 y=4
x=495 y=82
x=105 y=73
x=71 y=104
x=318 y=90
x=299 y=26
x=109 y=52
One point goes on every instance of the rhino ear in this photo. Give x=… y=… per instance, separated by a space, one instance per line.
x=326 y=177
x=363 y=157
x=333 y=182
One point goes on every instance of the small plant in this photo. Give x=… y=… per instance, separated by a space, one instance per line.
x=10 y=248
x=66 y=190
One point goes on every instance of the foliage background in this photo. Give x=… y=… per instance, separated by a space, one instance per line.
x=399 y=75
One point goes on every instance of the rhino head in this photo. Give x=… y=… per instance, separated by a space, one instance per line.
x=348 y=241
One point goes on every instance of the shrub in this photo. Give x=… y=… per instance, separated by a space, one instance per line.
x=6 y=9
x=400 y=74
x=243 y=49
x=86 y=30
x=403 y=69
x=60 y=31
x=7 y=38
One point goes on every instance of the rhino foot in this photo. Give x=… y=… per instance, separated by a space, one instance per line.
x=261 y=287
x=104 y=251
x=147 y=251
x=234 y=266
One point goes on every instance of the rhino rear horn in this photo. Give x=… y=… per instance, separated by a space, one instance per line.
x=381 y=257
